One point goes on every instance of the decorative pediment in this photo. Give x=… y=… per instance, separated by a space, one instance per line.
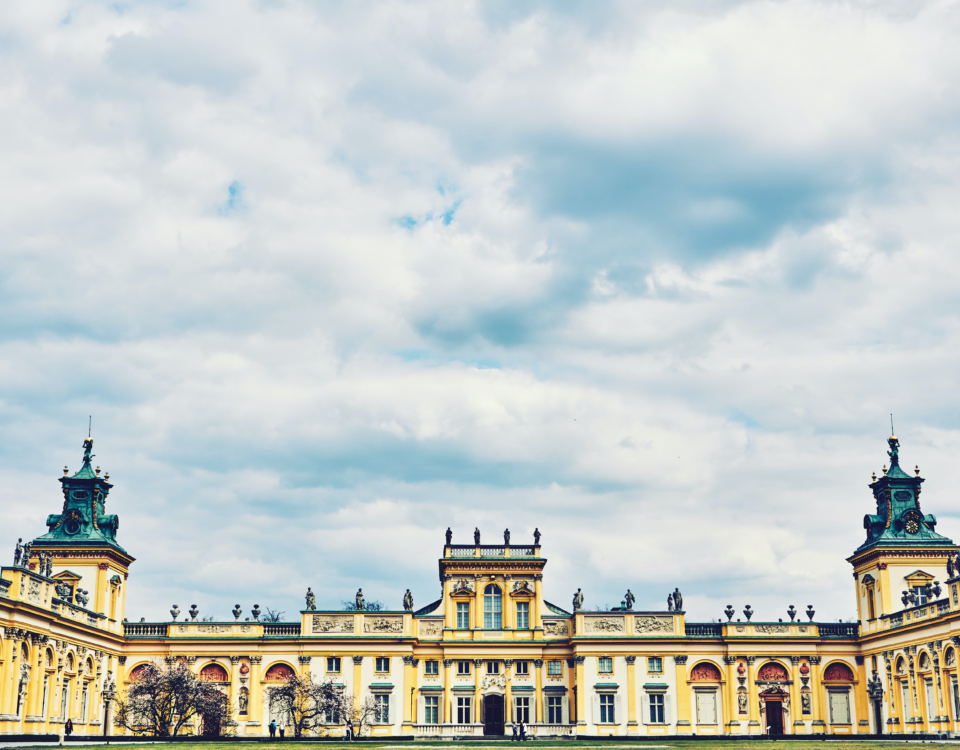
x=463 y=589
x=918 y=578
x=67 y=576
x=522 y=590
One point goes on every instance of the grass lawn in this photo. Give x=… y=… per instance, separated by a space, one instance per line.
x=646 y=744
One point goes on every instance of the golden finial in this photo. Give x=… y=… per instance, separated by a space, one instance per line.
x=65 y=471
x=106 y=477
x=98 y=471
x=874 y=476
x=884 y=469
x=917 y=469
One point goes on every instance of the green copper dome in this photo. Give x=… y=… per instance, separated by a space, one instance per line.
x=82 y=520
x=899 y=522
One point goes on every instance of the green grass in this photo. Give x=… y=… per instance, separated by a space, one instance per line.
x=678 y=744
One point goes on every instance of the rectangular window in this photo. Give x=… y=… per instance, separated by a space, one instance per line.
x=463 y=615
x=63 y=703
x=929 y=695
x=871 y=609
x=606 y=665
x=656 y=708
x=431 y=666
x=523 y=711
x=463 y=710
x=921 y=592
x=463 y=667
x=382 y=713
x=554 y=709
x=606 y=709
x=555 y=666
x=83 y=706
x=46 y=694
x=333 y=664
x=431 y=709
x=492 y=608
x=523 y=616
x=905 y=699
x=956 y=698
x=493 y=667
x=523 y=667
x=383 y=664
x=654 y=664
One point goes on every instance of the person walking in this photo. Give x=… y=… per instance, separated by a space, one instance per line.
x=523 y=731
x=272 y=726
x=515 y=735
x=68 y=728
x=282 y=727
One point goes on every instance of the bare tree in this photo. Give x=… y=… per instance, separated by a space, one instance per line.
x=372 y=606
x=164 y=700
x=270 y=616
x=306 y=704
x=365 y=713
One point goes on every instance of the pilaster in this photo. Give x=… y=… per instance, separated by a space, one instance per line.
x=755 y=726
x=508 y=700
x=631 y=695
x=538 y=691
x=255 y=707
x=684 y=715
x=358 y=677
x=796 y=701
x=446 y=710
x=477 y=678
x=860 y=693
x=816 y=691
x=733 y=707
x=581 y=692
x=409 y=683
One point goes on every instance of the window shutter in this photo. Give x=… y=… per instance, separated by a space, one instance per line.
x=645 y=708
x=617 y=715
x=667 y=709
x=421 y=711
x=565 y=709
x=596 y=709
x=543 y=708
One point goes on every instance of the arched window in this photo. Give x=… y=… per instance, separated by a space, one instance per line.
x=214 y=673
x=492 y=608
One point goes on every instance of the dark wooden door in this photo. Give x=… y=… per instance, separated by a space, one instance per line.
x=878 y=716
x=493 y=715
x=775 y=717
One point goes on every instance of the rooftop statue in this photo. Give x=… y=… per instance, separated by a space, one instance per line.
x=677 y=600
x=449 y=536
x=17 y=553
x=578 y=600
x=506 y=537
x=408 y=600
x=629 y=599
x=476 y=536
x=311 y=599
x=361 y=604
x=536 y=537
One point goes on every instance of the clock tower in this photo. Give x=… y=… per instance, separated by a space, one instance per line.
x=902 y=551
x=89 y=567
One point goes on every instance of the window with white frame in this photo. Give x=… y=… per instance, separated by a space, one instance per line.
x=555 y=667
x=492 y=608
x=463 y=615
x=522 y=710
x=654 y=664
x=463 y=710
x=523 y=668
x=554 y=709
x=463 y=667
x=607 y=715
x=382 y=708
x=383 y=664
x=431 y=666
x=656 y=708
x=921 y=592
x=333 y=664
x=431 y=709
x=493 y=667
x=523 y=616
x=605 y=665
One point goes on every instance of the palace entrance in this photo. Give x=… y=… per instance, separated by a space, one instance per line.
x=493 y=715
x=774 y=702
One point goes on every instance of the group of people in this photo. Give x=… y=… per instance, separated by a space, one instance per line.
x=519 y=732
x=282 y=728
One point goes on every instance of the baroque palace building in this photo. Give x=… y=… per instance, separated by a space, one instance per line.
x=492 y=651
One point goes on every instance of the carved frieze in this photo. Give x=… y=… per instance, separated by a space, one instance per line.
x=771 y=629
x=653 y=624
x=33 y=594
x=430 y=628
x=214 y=628
x=603 y=624
x=382 y=624
x=555 y=627
x=333 y=623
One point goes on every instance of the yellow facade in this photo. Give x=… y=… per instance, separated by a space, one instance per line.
x=492 y=651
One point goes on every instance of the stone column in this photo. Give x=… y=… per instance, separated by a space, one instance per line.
x=796 y=702
x=684 y=713
x=581 y=692
x=449 y=611
x=816 y=688
x=509 y=615
x=358 y=679
x=538 y=690
x=937 y=682
x=538 y=607
x=631 y=695
x=101 y=589
x=478 y=677
x=733 y=707
x=446 y=710
x=508 y=700
x=409 y=681
x=860 y=695
x=11 y=667
x=255 y=706
x=35 y=691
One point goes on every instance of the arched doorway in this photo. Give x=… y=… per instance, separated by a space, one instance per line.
x=493 y=714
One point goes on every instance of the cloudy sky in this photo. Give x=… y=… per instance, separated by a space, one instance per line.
x=331 y=277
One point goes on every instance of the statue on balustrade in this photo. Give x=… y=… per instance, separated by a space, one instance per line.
x=17 y=553
x=536 y=537
x=361 y=604
x=578 y=600
x=449 y=536
x=408 y=600
x=629 y=599
x=476 y=536
x=677 y=600
x=311 y=599
x=506 y=537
